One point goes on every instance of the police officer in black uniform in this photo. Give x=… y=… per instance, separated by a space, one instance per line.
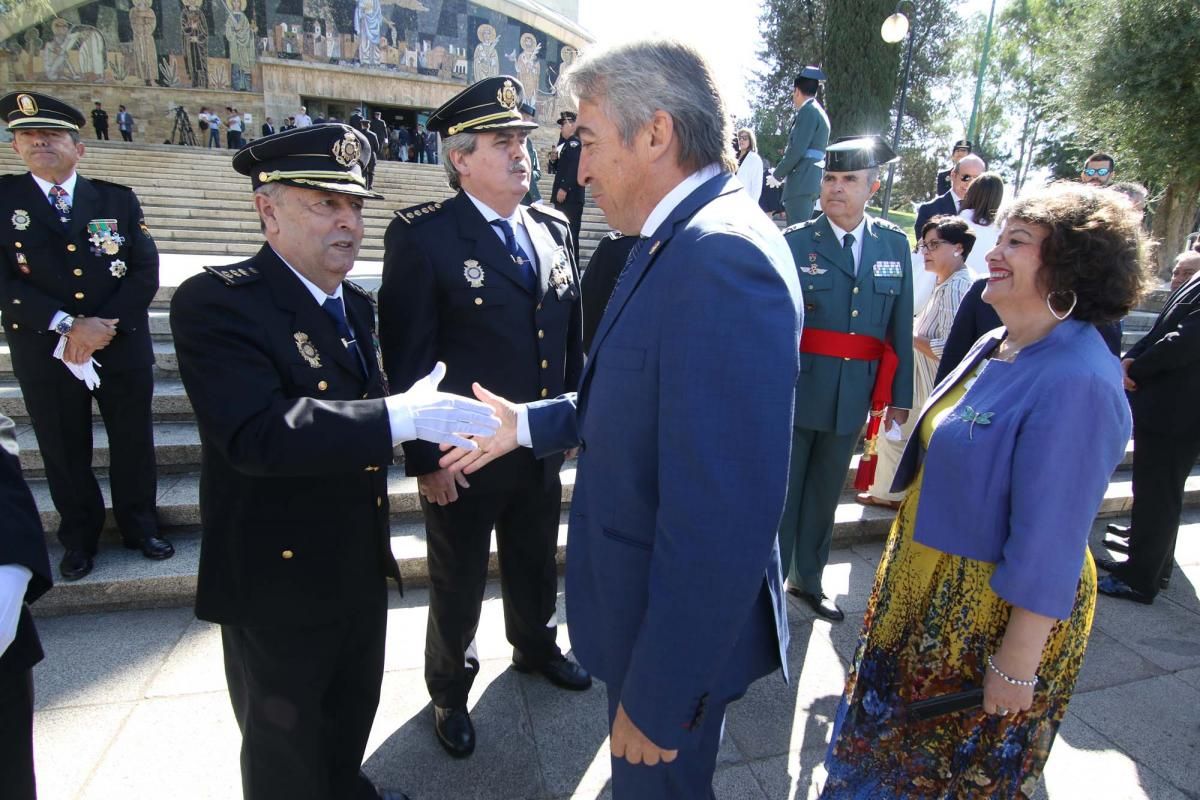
x=296 y=431
x=78 y=262
x=358 y=121
x=491 y=288
x=568 y=196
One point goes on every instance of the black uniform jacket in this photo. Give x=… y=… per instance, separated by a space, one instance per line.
x=566 y=172
x=110 y=271
x=23 y=542
x=1166 y=367
x=295 y=446
x=451 y=292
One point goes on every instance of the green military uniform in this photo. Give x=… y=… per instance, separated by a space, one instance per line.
x=874 y=300
x=800 y=165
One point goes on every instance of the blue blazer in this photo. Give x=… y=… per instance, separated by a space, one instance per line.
x=942 y=204
x=684 y=414
x=1020 y=488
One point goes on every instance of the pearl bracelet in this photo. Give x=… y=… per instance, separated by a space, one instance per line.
x=1008 y=678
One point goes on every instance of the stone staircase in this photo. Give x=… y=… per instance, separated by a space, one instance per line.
x=219 y=220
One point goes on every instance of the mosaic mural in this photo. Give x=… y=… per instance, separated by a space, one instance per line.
x=216 y=44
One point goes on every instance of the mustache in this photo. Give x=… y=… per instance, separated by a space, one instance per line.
x=517 y=166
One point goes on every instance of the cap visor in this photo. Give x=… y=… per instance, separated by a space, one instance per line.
x=333 y=186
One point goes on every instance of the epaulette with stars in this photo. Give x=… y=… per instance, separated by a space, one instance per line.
x=354 y=287
x=888 y=225
x=419 y=213
x=798 y=226
x=550 y=211
x=234 y=275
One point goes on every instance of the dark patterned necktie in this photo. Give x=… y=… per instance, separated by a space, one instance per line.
x=634 y=252
x=62 y=203
x=519 y=256
x=333 y=307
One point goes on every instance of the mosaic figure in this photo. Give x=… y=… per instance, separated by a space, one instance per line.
x=143 y=21
x=487 y=60
x=368 y=25
x=195 y=42
x=240 y=35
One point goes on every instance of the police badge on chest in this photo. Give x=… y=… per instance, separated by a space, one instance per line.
x=560 y=274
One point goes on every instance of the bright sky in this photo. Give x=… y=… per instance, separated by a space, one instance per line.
x=726 y=32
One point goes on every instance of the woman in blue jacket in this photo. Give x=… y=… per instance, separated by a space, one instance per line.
x=986 y=581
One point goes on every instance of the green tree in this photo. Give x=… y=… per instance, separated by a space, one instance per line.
x=793 y=35
x=862 y=68
x=1133 y=86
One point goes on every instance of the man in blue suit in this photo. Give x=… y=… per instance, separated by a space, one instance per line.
x=967 y=169
x=683 y=417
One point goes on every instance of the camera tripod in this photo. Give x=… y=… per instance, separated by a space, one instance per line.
x=182 y=129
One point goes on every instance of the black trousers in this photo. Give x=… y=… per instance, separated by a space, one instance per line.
x=574 y=212
x=1161 y=463
x=102 y=133
x=126 y=135
x=458 y=540
x=16 y=736
x=60 y=407
x=304 y=699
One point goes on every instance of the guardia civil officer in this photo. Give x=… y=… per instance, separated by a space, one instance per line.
x=491 y=288
x=78 y=272
x=534 y=195
x=568 y=195
x=799 y=168
x=856 y=277
x=296 y=431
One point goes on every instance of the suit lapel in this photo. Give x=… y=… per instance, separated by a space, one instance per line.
x=870 y=252
x=964 y=367
x=636 y=269
x=40 y=207
x=85 y=204
x=308 y=317
x=829 y=246
x=488 y=248
x=547 y=251
x=360 y=314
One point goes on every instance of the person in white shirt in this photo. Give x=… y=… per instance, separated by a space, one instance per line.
x=750 y=163
x=303 y=120
x=981 y=208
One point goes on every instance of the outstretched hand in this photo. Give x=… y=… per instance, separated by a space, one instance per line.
x=628 y=742
x=485 y=449
x=444 y=418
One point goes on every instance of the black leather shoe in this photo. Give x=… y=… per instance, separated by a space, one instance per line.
x=559 y=670
x=155 y=548
x=821 y=605
x=1115 y=587
x=1108 y=564
x=1117 y=530
x=454 y=730
x=1116 y=545
x=74 y=565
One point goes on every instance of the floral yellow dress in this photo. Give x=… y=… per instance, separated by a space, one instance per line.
x=930 y=624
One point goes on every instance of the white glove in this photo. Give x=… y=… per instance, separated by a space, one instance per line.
x=84 y=372
x=14 y=579
x=429 y=415
x=774 y=182
x=894 y=433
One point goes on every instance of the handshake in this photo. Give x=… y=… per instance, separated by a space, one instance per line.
x=454 y=422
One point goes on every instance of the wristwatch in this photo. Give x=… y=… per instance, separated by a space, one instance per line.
x=63 y=328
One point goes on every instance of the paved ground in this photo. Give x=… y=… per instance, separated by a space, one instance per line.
x=132 y=705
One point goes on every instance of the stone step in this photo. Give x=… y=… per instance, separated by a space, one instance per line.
x=176 y=450
x=169 y=403
x=166 y=365
x=124 y=579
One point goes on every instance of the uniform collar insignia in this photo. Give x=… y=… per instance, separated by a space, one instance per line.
x=20 y=219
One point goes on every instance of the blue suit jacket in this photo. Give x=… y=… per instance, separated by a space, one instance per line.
x=942 y=204
x=684 y=414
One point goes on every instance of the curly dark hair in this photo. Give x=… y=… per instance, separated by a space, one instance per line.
x=1094 y=248
x=953 y=230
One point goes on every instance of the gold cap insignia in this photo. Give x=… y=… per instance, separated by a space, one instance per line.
x=507 y=96
x=27 y=105
x=347 y=150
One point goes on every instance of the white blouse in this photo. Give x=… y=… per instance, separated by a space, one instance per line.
x=751 y=174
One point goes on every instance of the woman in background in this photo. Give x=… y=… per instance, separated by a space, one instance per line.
x=750 y=164
x=980 y=208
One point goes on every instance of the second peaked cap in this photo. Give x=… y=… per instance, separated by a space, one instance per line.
x=492 y=104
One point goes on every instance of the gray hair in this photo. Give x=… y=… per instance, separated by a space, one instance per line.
x=464 y=143
x=631 y=81
x=272 y=191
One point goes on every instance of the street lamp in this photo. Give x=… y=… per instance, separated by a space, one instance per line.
x=893 y=31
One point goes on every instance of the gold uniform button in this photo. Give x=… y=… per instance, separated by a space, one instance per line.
x=541 y=334
x=854 y=313
x=545 y=363
x=478 y=301
x=287 y=554
x=855 y=290
x=79 y=295
x=845 y=359
x=15 y=326
x=17 y=245
x=323 y=385
x=16 y=301
x=78 y=273
x=71 y=248
x=544 y=392
x=379 y=502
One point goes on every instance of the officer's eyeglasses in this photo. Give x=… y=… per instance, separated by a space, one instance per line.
x=1092 y=172
x=931 y=246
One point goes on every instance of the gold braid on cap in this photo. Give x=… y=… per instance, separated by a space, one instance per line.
x=504 y=115
x=307 y=176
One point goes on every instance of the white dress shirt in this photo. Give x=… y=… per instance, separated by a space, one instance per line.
x=858 y=232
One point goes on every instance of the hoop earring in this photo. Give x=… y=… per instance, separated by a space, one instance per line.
x=1067 y=313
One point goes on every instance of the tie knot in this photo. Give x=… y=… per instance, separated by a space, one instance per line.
x=504 y=225
x=848 y=240
x=333 y=307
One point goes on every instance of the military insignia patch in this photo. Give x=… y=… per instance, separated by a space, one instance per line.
x=307 y=351
x=813 y=269
x=347 y=150
x=20 y=219
x=104 y=237
x=118 y=268
x=560 y=273
x=473 y=273
x=888 y=269
x=23 y=263
x=507 y=96
x=27 y=105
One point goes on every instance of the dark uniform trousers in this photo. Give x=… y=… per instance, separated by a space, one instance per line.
x=293 y=566
x=814 y=485
x=46 y=266
x=1161 y=465
x=451 y=292
x=566 y=179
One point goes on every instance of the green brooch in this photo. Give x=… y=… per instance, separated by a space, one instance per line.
x=968 y=414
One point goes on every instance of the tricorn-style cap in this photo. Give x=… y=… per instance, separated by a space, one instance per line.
x=811 y=73
x=852 y=153
x=27 y=111
x=963 y=144
x=489 y=105
x=566 y=116
x=328 y=157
